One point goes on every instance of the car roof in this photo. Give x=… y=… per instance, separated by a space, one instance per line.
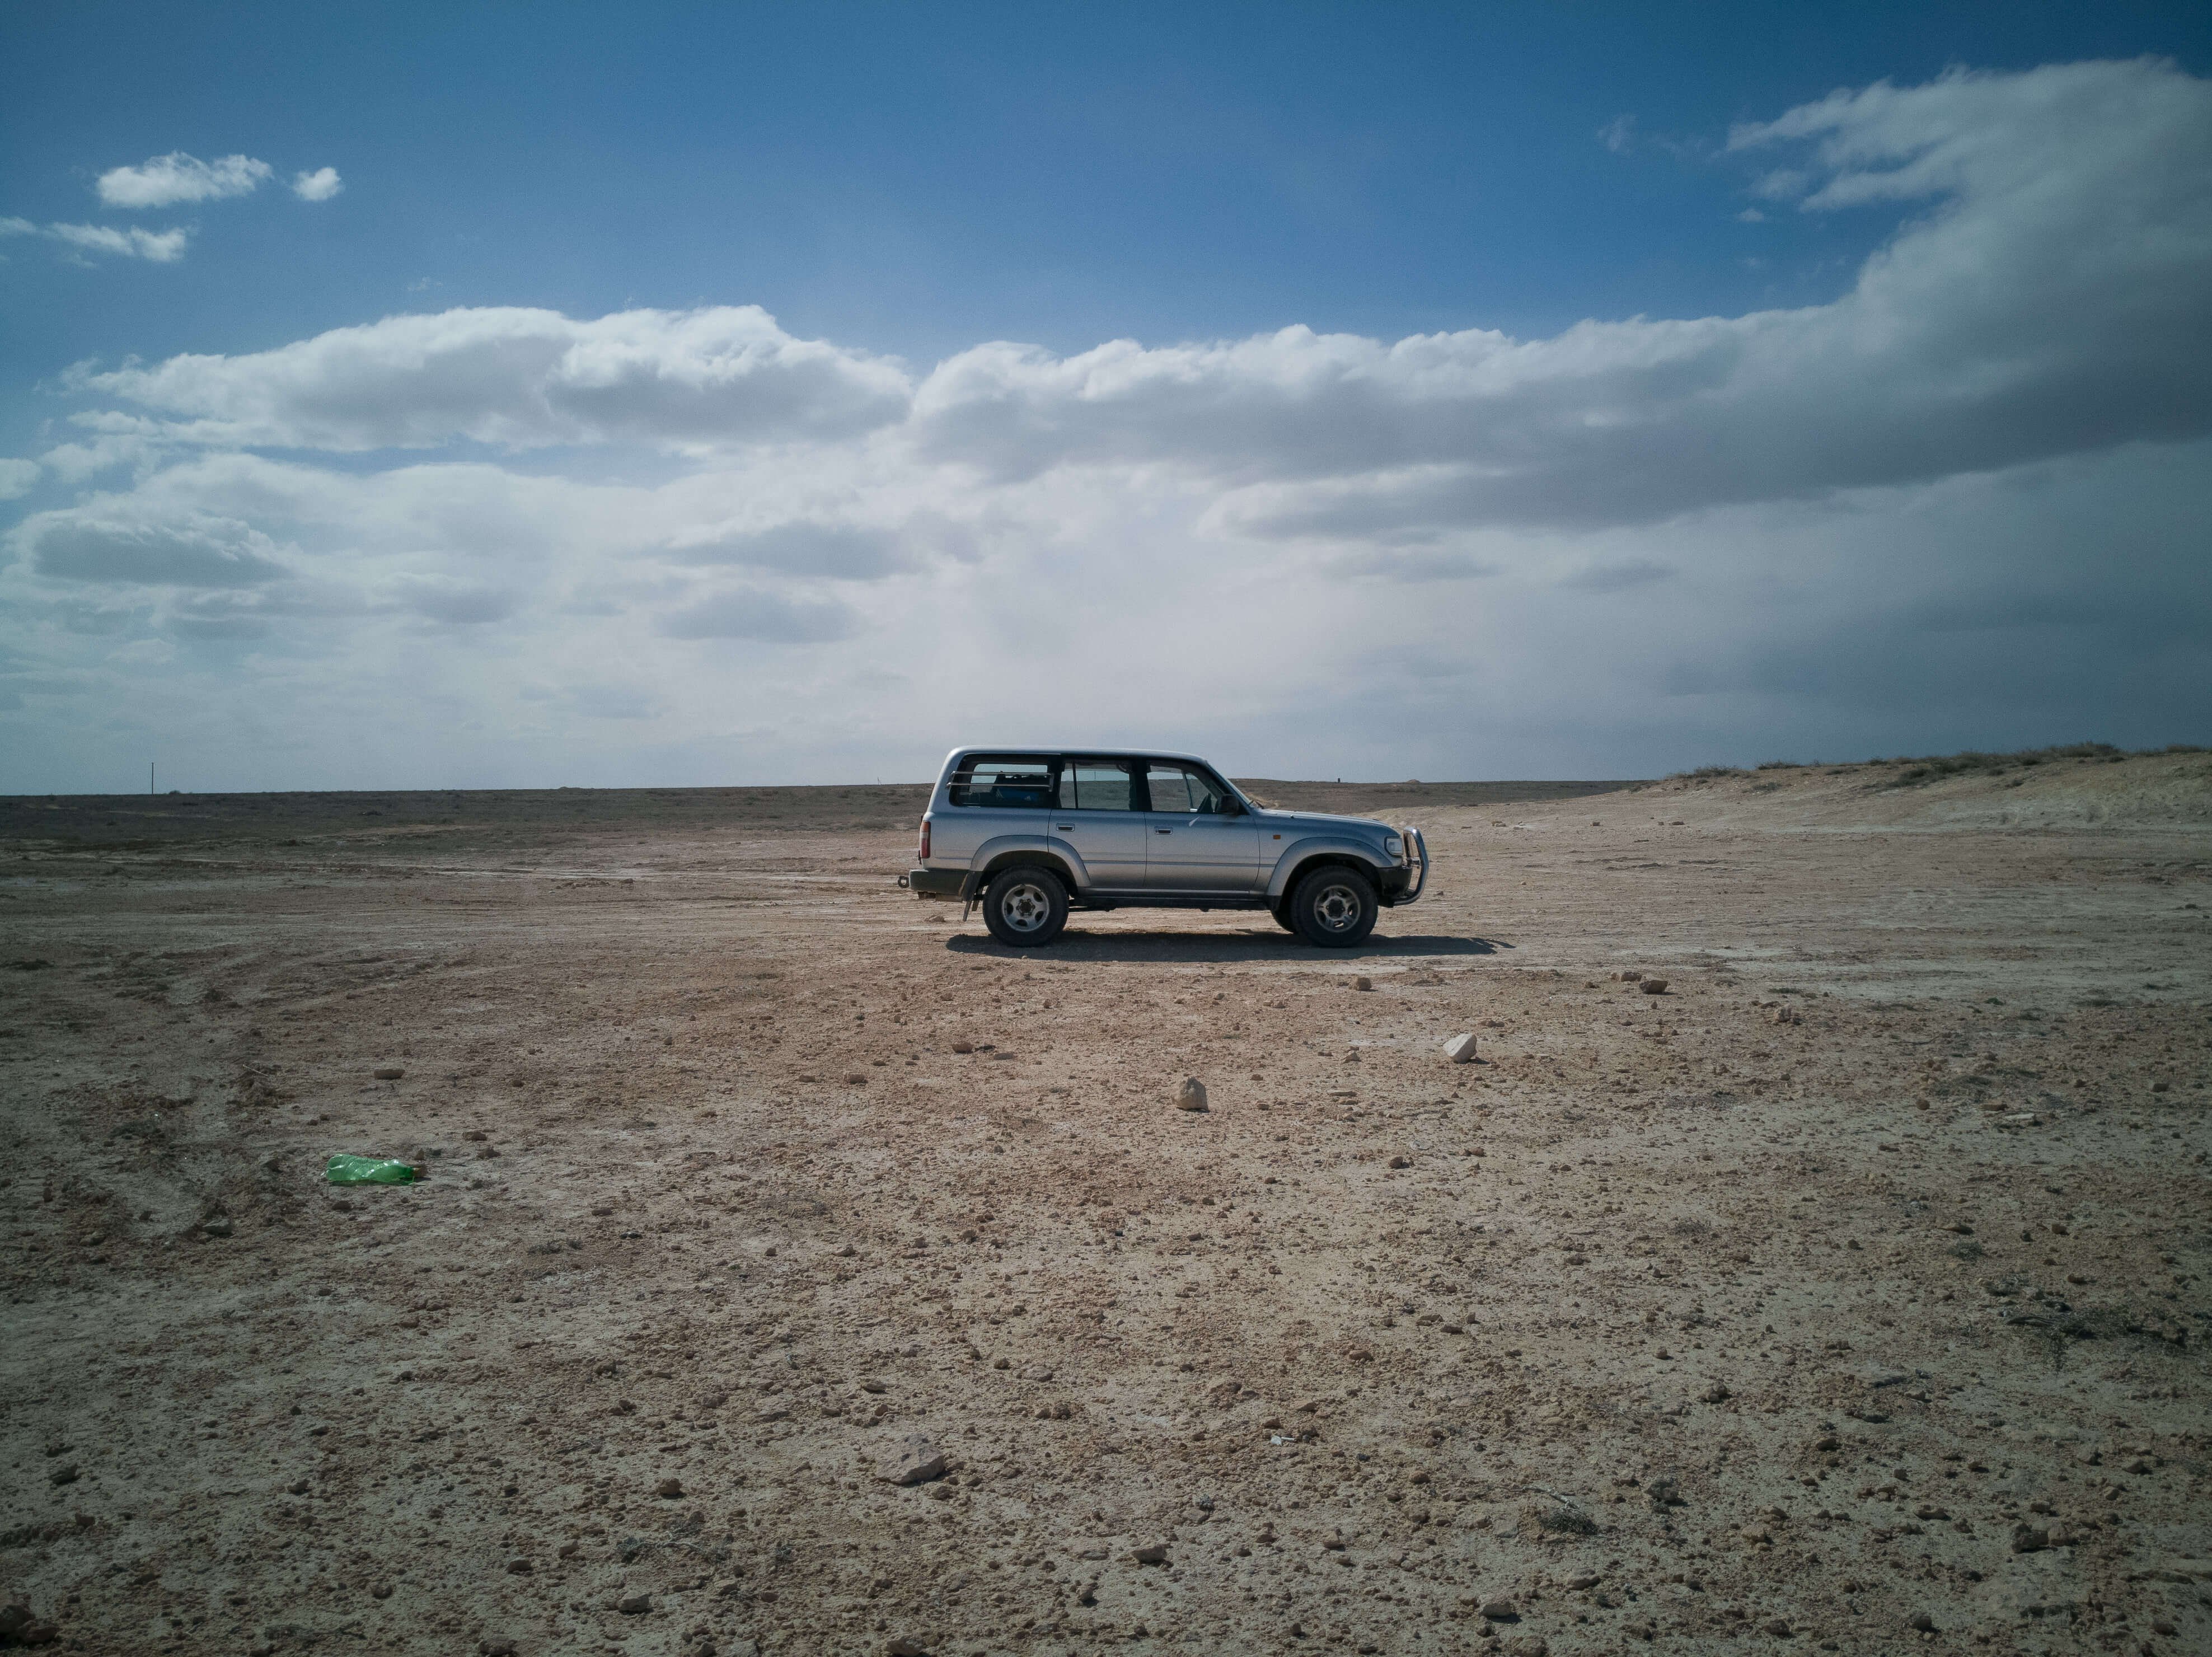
x=1079 y=751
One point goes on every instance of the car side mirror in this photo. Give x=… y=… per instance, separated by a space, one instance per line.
x=1230 y=806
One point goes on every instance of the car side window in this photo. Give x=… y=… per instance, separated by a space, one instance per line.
x=1003 y=781
x=1097 y=785
x=1178 y=788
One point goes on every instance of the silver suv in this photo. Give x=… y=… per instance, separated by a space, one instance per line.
x=1032 y=832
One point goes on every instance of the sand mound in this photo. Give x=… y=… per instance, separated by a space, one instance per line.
x=2050 y=790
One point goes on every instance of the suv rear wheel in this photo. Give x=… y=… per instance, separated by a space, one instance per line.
x=1334 y=907
x=1025 y=906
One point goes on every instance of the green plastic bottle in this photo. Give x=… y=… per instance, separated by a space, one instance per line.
x=368 y=1171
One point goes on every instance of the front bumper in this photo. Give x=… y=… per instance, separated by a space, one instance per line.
x=934 y=882
x=1405 y=885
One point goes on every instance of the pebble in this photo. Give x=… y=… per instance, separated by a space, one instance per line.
x=963 y=1046
x=1191 y=1096
x=913 y=1460
x=1037 y=1371
x=669 y=1488
x=1653 y=986
x=1362 y=983
x=904 y=1646
x=1460 y=1050
x=1716 y=1393
x=1777 y=1626
x=1152 y=1553
x=387 y=1073
x=1921 y=1622
x=501 y=1647
x=1528 y=1645
x=1401 y=1162
x=634 y=1604
x=1501 y=1610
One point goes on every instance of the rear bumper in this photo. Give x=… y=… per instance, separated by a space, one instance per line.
x=934 y=882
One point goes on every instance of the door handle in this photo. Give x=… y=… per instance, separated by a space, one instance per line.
x=1065 y=828
x=1164 y=831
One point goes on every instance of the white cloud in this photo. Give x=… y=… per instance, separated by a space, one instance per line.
x=17 y=477
x=202 y=552
x=1960 y=505
x=159 y=246
x=166 y=181
x=319 y=186
x=767 y=617
x=525 y=379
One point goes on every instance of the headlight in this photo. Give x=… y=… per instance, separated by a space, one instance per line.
x=1394 y=845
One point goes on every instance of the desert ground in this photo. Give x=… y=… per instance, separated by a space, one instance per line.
x=1849 y=1295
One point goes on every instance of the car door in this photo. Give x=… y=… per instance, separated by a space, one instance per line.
x=1194 y=847
x=1096 y=816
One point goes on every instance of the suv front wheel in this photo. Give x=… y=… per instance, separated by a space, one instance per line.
x=1334 y=907
x=1025 y=906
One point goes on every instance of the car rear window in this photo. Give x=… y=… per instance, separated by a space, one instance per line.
x=1005 y=780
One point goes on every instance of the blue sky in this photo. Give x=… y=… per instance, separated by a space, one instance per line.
x=903 y=186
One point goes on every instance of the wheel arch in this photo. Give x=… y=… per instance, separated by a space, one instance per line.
x=1042 y=857
x=1307 y=855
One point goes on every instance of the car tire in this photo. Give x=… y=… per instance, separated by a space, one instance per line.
x=1025 y=906
x=1281 y=911
x=1334 y=907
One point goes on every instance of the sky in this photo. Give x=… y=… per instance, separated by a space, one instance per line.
x=505 y=396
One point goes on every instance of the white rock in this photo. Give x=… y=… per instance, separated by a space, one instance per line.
x=1461 y=1050
x=1191 y=1096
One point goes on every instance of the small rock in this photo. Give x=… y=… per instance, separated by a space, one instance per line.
x=1653 y=986
x=1362 y=983
x=2030 y=1538
x=913 y=1460
x=518 y=1567
x=1629 y=976
x=1191 y=1096
x=501 y=1647
x=1777 y=1626
x=963 y=1046
x=1501 y=1610
x=1152 y=1553
x=1401 y=1162
x=1582 y=1580
x=871 y=1385
x=905 y=1646
x=855 y=1078
x=634 y=1604
x=64 y=1474
x=1921 y=1622
x=1038 y=1372
x=388 y=1073
x=771 y=1412
x=219 y=1226
x=669 y=1488
x=1460 y=1050
x=1716 y=1393
x=1528 y=1645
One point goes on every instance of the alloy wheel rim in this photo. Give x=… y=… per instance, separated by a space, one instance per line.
x=1337 y=908
x=1025 y=907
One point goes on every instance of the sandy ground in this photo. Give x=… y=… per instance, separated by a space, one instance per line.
x=1849 y=1296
